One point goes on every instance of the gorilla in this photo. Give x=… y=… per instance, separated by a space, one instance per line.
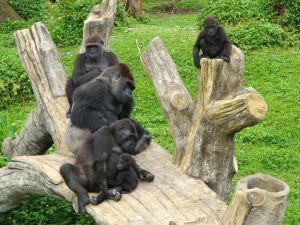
x=121 y=175
x=213 y=42
x=104 y=100
x=92 y=168
x=89 y=65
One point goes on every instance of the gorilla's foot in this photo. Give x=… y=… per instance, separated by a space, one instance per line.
x=83 y=200
x=146 y=175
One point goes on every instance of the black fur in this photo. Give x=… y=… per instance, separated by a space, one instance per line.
x=212 y=41
x=106 y=99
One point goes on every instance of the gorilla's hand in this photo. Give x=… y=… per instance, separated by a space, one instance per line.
x=146 y=175
x=197 y=62
x=225 y=58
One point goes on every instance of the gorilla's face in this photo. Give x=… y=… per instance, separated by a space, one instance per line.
x=125 y=135
x=94 y=50
x=121 y=88
x=211 y=29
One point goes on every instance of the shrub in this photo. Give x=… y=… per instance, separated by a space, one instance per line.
x=66 y=25
x=14 y=82
x=254 y=35
x=291 y=16
x=235 y=11
x=30 y=9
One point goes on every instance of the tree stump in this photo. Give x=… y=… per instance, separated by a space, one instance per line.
x=203 y=130
x=133 y=7
x=174 y=198
x=259 y=199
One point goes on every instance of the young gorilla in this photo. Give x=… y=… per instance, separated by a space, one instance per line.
x=121 y=175
x=91 y=167
x=89 y=65
x=104 y=100
x=212 y=41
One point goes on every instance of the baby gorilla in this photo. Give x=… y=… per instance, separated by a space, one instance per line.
x=125 y=179
x=120 y=175
x=213 y=42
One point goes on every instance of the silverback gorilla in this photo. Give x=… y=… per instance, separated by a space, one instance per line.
x=89 y=65
x=104 y=100
x=92 y=168
x=213 y=42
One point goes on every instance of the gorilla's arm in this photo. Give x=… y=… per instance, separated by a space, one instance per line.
x=226 y=52
x=142 y=174
x=112 y=58
x=79 y=75
x=196 y=50
x=104 y=144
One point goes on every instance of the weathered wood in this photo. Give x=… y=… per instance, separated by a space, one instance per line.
x=7 y=12
x=259 y=199
x=203 y=130
x=40 y=59
x=100 y=20
x=34 y=139
x=173 y=196
x=133 y=7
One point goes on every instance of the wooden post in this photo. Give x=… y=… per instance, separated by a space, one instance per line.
x=259 y=199
x=203 y=130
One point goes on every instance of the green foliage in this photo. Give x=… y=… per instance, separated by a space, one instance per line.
x=291 y=16
x=235 y=11
x=54 y=212
x=122 y=18
x=66 y=25
x=30 y=9
x=254 y=35
x=6 y=130
x=14 y=82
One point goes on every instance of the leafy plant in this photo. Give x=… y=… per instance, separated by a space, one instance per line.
x=30 y=9
x=254 y=35
x=235 y=11
x=6 y=130
x=14 y=82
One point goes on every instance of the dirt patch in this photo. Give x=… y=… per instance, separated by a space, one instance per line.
x=172 y=12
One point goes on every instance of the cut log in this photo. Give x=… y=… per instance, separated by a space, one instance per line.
x=133 y=7
x=100 y=20
x=259 y=199
x=172 y=196
x=34 y=139
x=203 y=131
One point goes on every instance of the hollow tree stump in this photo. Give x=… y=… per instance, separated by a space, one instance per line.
x=203 y=130
x=259 y=199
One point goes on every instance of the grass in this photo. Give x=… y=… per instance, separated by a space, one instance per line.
x=270 y=147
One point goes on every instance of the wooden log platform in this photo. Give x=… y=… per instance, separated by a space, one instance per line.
x=172 y=198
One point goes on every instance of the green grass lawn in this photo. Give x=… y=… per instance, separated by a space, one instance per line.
x=271 y=147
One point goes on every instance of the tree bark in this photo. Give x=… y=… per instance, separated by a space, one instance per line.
x=7 y=12
x=133 y=7
x=203 y=130
x=259 y=199
x=34 y=139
